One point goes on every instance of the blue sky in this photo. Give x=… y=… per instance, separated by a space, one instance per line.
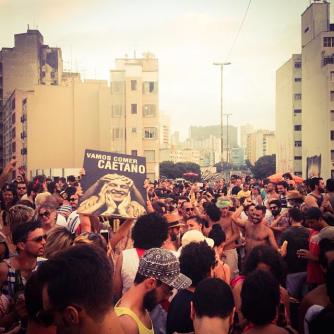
x=187 y=36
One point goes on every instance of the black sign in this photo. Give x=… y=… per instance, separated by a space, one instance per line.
x=113 y=185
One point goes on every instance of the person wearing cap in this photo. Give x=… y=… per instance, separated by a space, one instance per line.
x=232 y=235
x=149 y=231
x=175 y=225
x=158 y=274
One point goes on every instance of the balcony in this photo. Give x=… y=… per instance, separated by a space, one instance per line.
x=327 y=60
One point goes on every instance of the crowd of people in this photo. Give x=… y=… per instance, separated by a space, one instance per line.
x=230 y=256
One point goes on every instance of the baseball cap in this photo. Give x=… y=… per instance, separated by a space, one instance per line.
x=195 y=236
x=161 y=264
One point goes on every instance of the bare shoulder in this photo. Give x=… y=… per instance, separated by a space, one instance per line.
x=128 y=324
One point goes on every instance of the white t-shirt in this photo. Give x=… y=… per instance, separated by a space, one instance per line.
x=61 y=220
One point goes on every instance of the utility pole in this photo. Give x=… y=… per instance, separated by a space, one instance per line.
x=227 y=139
x=221 y=109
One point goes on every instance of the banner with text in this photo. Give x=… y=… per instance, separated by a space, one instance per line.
x=113 y=184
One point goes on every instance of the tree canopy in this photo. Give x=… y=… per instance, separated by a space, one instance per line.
x=264 y=166
x=177 y=170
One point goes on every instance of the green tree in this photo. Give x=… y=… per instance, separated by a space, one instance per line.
x=264 y=166
x=173 y=171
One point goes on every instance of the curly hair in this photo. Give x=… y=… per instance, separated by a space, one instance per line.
x=196 y=261
x=150 y=231
x=269 y=256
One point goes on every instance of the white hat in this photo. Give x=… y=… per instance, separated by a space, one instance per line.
x=195 y=236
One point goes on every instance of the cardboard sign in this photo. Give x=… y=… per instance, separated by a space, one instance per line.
x=113 y=185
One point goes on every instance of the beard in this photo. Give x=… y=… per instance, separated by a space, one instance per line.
x=275 y=213
x=150 y=300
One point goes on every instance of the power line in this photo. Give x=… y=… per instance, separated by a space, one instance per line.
x=240 y=27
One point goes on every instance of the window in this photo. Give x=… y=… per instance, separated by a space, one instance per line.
x=297 y=111
x=133 y=109
x=298 y=79
x=133 y=84
x=298 y=143
x=298 y=127
x=332 y=135
x=116 y=87
x=298 y=96
x=116 y=110
x=328 y=42
x=149 y=155
x=332 y=155
x=298 y=157
x=13 y=104
x=298 y=64
x=134 y=130
x=134 y=152
x=332 y=95
x=149 y=110
x=13 y=147
x=332 y=76
x=150 y=133
x=13 y=133
x=332 y=115
x=13 y=118
x=116 y=133
x=332 y=174
x=149 y=87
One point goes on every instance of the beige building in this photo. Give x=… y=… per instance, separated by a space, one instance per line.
x=318 y=91
x=135 y=110
x=289 y=116
x=25 y=65
x=259 y=144
x=49 y=128
x=244 y=131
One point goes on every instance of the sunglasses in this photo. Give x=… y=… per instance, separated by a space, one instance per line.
x=273 y=207
x=21 y=188
x=72 y=199
x=38 y=239
x=44 y=214
x=189 y=209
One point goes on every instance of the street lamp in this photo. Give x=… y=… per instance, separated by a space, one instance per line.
x=227 y=139
x=221 y=108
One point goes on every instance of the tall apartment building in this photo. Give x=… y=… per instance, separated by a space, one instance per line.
x=313 y=121
x=181 y=155
x=289 y=116
x=135 y=110
x=25 y=65
x=259 y=144
x=49 y=128
x=318 y=91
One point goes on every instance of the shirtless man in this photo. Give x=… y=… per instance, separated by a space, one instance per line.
x=255 y=230
x=232 y=235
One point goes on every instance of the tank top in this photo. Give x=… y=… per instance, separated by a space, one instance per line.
x=126 y=311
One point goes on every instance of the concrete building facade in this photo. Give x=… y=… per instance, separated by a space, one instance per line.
x=259 y=144
x=135 y=110
x=25 y=65
x=317 y=91
x=289 y=116
x=181 y=155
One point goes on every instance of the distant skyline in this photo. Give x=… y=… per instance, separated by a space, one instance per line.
x=187 y=36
